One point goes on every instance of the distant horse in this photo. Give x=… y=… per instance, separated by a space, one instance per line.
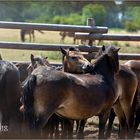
x=135 y=66
x=69 y=34
x=123 y=107
x=9 y=99
x=83 y=96
x=30 y=32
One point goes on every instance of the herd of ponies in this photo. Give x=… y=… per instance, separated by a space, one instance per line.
x=39 y=100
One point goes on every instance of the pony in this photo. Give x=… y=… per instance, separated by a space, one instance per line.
x=131 y=77
x=124 y=105
x=83 y=97
x=134 y=65
x=31 y=34
x=9 y=101
x=37 y=61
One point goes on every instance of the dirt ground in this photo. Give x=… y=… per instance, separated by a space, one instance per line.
x=91 y=129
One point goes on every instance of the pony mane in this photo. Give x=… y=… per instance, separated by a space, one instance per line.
x=103 y=60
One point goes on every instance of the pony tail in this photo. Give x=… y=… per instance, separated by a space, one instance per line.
x=28 y=99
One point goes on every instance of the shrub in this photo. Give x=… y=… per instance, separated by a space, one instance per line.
x=130 y=26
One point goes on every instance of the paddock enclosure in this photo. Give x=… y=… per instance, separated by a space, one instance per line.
x=91 y=34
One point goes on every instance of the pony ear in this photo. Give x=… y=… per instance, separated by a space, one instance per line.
x=32 y=58
x=46 y=57
x=118 y=49
x=63 y=51
x=103 y=48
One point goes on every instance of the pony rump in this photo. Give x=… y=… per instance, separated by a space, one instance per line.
x=28 y=99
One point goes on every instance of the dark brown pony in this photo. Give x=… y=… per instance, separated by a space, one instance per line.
x=9 y=100
x=123 y=73
x=123 y=106
x=78 y=100
x=135 y=66
x=25 y=68
x=31 y=34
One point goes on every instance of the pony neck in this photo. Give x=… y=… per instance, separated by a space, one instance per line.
x=102 y=67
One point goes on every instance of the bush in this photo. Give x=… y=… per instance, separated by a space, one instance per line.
x=73 y=18
x=130 y=26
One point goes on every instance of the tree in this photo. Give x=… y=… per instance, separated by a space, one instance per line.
x=95 y=11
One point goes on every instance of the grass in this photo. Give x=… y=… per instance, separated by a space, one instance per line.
x=54 y=38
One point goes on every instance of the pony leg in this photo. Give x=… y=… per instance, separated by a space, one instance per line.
x=137 y=120
x=111 y=120
x=33 y=35
x=129 y=114
x=30 y=38
x=102 y=122
x=74 y=40
x=80 y=131
x=67 y=129
x=122 y=120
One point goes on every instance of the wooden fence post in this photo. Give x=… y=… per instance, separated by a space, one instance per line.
x=90 y=22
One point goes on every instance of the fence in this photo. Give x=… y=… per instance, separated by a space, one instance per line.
x=56 y=47
x=111 y=37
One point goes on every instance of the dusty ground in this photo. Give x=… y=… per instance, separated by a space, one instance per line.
x=91 y=129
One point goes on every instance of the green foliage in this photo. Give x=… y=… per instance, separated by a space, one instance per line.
x=132 y=20
x=130 y=26
x=73 y=19
x=95 y=11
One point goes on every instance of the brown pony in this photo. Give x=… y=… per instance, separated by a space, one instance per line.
x=31 y=34
x=135 y=66
x=69 y=60
x=9 y=100
x=83 y=96
x=52 y=130
x=123 y=107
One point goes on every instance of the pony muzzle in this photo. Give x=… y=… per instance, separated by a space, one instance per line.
x=86 y=67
